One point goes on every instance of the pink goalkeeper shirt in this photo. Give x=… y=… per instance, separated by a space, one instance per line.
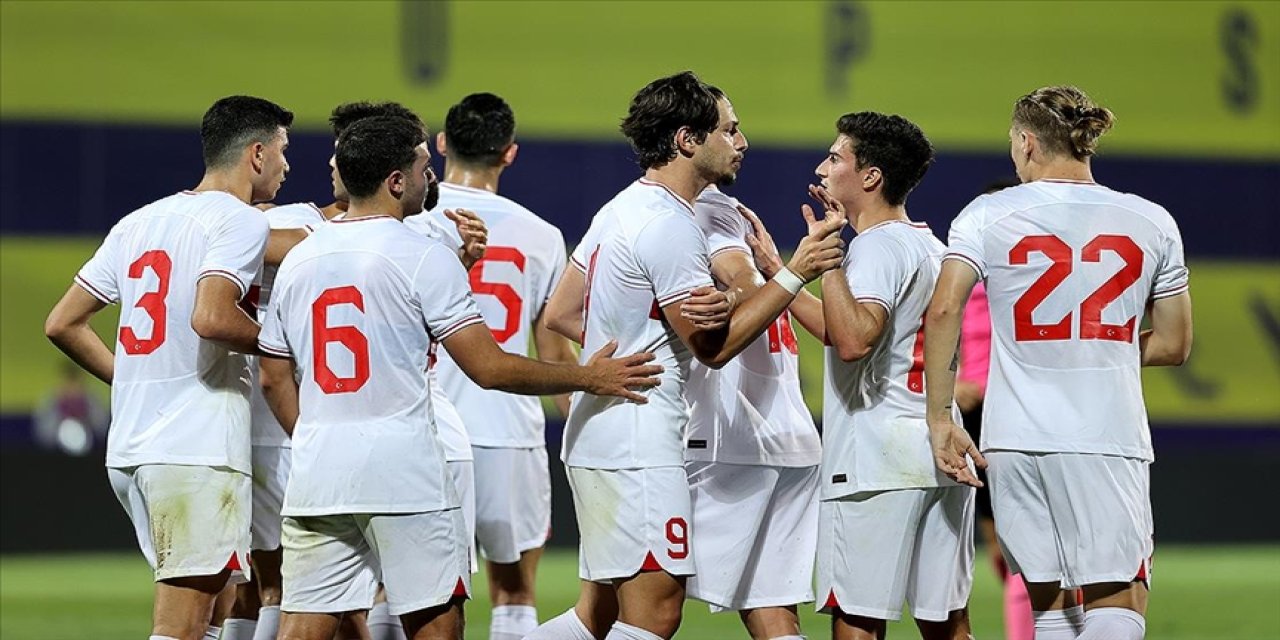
x=975 y=339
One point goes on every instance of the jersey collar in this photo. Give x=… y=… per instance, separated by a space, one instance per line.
x=650 y=183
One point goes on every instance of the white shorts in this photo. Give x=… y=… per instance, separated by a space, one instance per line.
x=270 y=475
x=757 y=534
x=464 y=482
x=1071 y=518
x=632 y=520
x=334 y=563
x=513 y=501
x=879 y=549
x=189 y=520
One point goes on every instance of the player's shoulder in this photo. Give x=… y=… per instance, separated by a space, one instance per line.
x=294 y=215
x=1152 y=211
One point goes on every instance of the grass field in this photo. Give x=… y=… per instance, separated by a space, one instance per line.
x=1200 y=593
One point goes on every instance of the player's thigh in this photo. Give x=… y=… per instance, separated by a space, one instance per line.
x=513 y=501
x=271 y=465
x=328 y=566
x=198 y=517
x=633 y=520
x=424 y=558
x=865 y=547
x=1102 y=508
x=942 y=568
x=1024 y=523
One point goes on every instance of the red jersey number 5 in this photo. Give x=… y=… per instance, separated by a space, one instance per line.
x=505 y=293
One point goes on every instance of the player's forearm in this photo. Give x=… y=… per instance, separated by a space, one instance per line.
x=524 y=376
x=1158 y=351
x=228 y=326
x=941 y=356
x=280 y=390
x=751 y=318
x=280 y=242
x=851 y=329
x=1168 y=342
x=83 y=345
x=807 y=310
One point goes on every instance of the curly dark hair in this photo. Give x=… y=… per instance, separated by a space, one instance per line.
x=892 y=143
x=479 y=129
x=372 y=148
x=234 y=122
x=661 y=108
x=345 y=115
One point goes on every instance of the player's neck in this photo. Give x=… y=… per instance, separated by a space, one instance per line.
x=334 y=209
x=877 y=213
x=682 y=181
x=1069 y=169
x=229 y=182
x=378 y=205
x=485 y=178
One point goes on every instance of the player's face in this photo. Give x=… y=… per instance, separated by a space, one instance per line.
x=339 y=190
x=720 y=157
x=422 y=190
x=274 y=167
x=839 y=173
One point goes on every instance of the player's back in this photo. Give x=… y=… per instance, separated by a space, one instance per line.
x=1070 y=268
x=642 y=252
x=524 y=258
x=176 y=398
x=358 y=305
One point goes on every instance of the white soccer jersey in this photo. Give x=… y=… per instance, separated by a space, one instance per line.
x=522 y=263
x=266 y=430
x=751 y=410
x=358 y=306
x=176 y=398
x=643 y=252
x=875 y=437
x=1070 y=268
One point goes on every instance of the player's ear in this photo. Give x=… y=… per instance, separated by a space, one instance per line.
x=509 y=156
x=442 y=147
x=873 y=179
x=396 y=183
x=257 y=156
x=686 y=141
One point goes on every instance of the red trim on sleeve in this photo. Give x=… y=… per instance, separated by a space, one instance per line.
x=727 y=249
x=458 y=326
x=266 y=348
x=223 y=273
x=880 y=301
x=1169 y=293
x=93 y=291
x=967 y=260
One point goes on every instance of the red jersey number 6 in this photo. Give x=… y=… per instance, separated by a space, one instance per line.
x=350 y=337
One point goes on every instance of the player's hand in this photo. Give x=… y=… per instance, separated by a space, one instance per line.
x=474 y=234
x=621 y=377
x=951 y=443
x=831 y=208
x=763 y=250
x=708 y=308
x=820 y=251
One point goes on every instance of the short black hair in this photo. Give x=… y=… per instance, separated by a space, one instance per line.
x=372 y=148
x=234 y=122
x=479 y=129
x=344 y=115
x=892 y=143
x=661 y=108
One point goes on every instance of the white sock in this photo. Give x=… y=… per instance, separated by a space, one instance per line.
x=238 y=629
x=1113 y=623
x=383 y=625
x=624 y=631
x=566 y=626
x=211 y=632
x=268 y=623
x=1059 y=625
x=512 y=621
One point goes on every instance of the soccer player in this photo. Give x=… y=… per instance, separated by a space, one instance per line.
x=523 y=259
x=752 y=454
x=357 y=310
x=642 y=257
x=893 y=528
x=178 y=452
x=1071 y=267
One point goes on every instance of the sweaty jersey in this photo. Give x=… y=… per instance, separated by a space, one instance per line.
x=266 y=430
x=751 y=410
x=358 y=306
x=642 y=252
x=1069 y=269
x=176 y=398
x=875 y=437
x=522 y=263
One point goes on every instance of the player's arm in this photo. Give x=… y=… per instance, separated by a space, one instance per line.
x=806 y=308
x=280 y=242
x=950 y=442
x=280 y=389
x=218 y=317
x=855 y=327
x=1168 y=342
x=554 y=348
x=67 y=327
x=480 y=357
x=563 y=313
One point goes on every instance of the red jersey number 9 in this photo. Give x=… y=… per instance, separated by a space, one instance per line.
x=349 y=336
x=153 y=302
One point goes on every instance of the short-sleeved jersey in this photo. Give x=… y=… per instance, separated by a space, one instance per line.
x=1069 y=269
x=266 y=430
x=522 y=263
x=642 y=252
x=750 y=411
x=176 y=398
x=874 y=433
x=358 y=306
